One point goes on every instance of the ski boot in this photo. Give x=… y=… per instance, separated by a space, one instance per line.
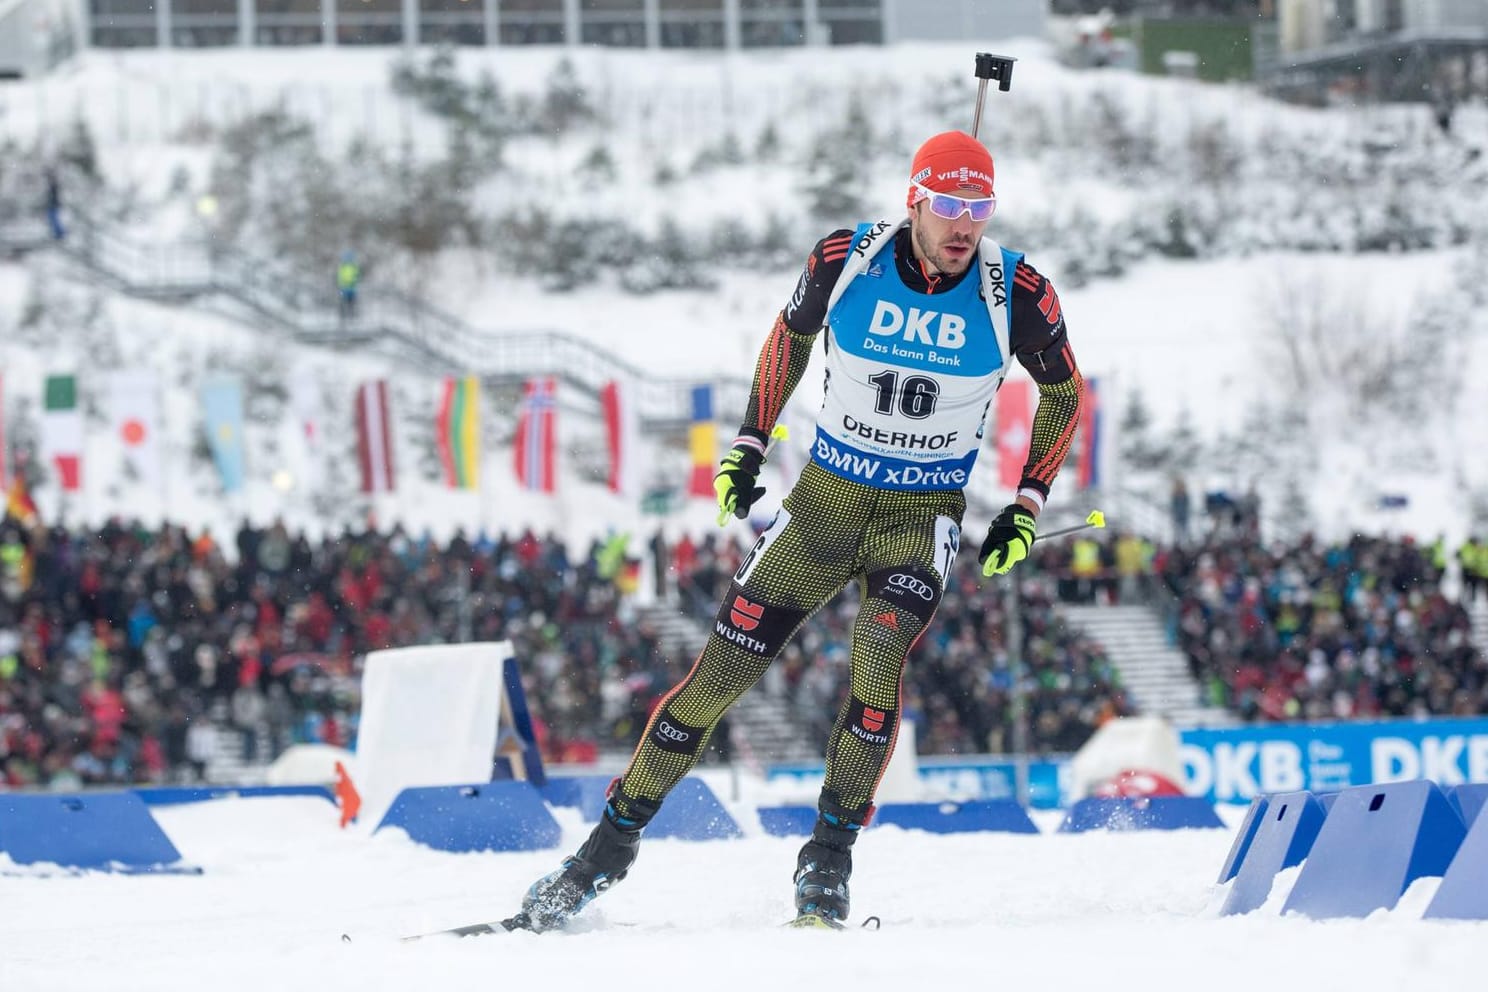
x=603 y=860
x=824 y=866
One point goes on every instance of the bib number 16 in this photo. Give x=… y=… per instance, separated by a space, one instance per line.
x=915 y=399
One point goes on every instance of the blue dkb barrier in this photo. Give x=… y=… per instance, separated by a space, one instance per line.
x=1000 y=815
x=691 y=810
x=976 y=816
x=176 y=795
x=787 y=821
x=1240 y=847
x=100 y=831
x=492 y=816
x=1285 y=832
x=1146 y=813
x=1376 y=840
x=583 y=792
x=1464 y=889
x=1468 y=801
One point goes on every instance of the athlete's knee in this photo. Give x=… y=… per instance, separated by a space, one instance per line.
x=754 y=625
x=912 y=588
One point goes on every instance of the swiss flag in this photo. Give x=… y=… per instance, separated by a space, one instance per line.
x=1014 y=425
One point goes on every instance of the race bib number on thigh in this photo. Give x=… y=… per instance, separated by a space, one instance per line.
x=777 y=526
x=947 y=545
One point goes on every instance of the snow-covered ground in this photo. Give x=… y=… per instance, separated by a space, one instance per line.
x=282 y=882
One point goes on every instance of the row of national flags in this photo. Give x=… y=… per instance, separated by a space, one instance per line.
x=131 y=400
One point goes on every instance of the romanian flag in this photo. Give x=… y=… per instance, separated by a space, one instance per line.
x=702 y=442
x=458 y=432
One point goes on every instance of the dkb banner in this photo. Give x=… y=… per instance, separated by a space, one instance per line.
x=1235 y=765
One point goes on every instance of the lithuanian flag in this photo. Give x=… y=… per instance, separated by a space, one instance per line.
x=458 y=432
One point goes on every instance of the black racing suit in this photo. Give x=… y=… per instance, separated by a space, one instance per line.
x=898 y=545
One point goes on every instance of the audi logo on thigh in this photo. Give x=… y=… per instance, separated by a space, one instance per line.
x=672 y=733
x=910 y=584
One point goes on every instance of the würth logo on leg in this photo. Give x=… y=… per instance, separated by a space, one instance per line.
x=746 y=615
x=873 y=720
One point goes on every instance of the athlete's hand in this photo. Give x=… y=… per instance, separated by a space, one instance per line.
x=1008 y=540
x=736 y=480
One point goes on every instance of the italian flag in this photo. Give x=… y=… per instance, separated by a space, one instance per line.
x=62 y=430
x=458 y=432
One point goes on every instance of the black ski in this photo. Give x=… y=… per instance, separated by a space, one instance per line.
x=518 y=922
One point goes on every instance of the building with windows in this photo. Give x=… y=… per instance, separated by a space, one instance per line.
x=1432 y=51
x=623 y=23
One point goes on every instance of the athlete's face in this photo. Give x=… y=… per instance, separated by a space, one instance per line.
x=945 y=245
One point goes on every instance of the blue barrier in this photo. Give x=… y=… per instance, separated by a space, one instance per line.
x=1468 y=801
x=787 y=821
x=1000 y=815
x=104 y=831
x=692 y=812
x=492 y=816
x=977 y=816
x=1146 y=813
x=586 y=793
x=1240 y=846
x=1376 y=841
x=1463 y=894
x=1285 y=831
x=171 y=796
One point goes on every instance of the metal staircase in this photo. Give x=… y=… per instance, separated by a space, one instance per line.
x=1153 y=671
x=406 y=328
x=763 y=728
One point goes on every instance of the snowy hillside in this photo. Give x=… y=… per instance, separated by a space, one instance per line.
x=1295 y=295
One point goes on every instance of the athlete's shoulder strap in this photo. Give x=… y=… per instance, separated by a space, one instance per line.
x=868 y=240
x=997 y=266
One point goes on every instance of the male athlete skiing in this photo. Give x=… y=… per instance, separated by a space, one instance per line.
x=920 y=321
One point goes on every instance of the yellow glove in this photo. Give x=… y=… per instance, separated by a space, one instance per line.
x=1008 y=540
x=735 y=482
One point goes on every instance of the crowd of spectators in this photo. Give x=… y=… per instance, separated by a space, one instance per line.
x=123 y=650
x=1313 y=631
x=1300 y=630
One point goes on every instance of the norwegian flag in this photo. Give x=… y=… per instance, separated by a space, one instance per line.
x=537 y=436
